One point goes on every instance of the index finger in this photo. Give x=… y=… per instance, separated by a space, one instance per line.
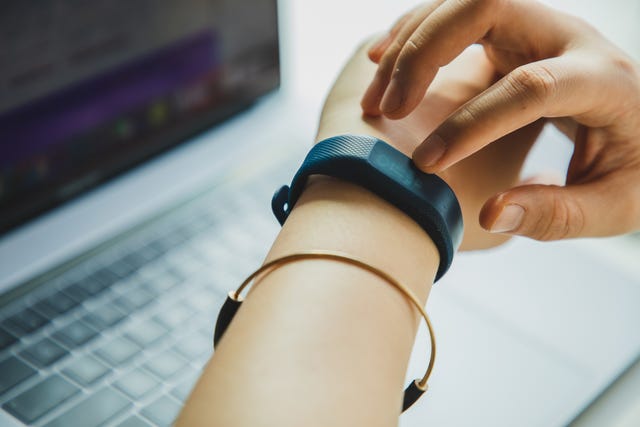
x=556 y=87
x=448 y=31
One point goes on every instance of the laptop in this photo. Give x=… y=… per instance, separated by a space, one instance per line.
x=126 y=132
x=140 y=143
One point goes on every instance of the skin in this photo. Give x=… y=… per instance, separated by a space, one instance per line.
x=547 y=65
x=320 y=343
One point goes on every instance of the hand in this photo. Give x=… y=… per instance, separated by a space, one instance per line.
x=492 y=169
x=551 y=65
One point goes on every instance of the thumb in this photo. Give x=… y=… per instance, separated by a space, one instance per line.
x=550 y=212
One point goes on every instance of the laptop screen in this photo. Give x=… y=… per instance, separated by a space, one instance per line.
x=88 y=89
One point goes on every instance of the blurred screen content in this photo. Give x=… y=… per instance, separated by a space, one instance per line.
x=91 y=88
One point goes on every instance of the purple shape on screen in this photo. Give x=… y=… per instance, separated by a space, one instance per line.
x=37 y=126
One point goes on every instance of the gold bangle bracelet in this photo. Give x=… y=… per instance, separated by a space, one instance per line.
x=234 y=300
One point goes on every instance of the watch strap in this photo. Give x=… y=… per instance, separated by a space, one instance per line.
x=375 y=165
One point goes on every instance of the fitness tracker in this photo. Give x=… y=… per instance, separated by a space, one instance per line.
x=385 y=171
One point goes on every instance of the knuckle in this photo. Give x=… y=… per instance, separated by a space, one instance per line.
x=564 y=218
x=409 y=60
x=388 y=60
x=464 y=118
x=396 y=46
x=536 y=83
x=626 y=65
x=386 y=66
x=413 y=46
x=629 y=74
x=410 y=52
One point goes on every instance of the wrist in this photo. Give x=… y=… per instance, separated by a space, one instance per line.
x=308 y=323
x=337 y=215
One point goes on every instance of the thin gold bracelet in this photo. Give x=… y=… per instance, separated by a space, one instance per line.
x=234 y=300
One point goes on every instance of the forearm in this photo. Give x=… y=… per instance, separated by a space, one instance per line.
x=319 y=342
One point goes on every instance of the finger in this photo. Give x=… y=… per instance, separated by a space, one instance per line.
x=454 y=26
x=551 y=213
x=439 y=38
x=371 y=100
x=553 y=87
x=407 y=22
x=379 y=47
x=376 y=51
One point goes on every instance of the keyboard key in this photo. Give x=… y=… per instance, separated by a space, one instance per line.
x=202 y=222
x=198 y=253
x=166 y=243
x=133 y=299
x=104 y=316
x=159 y=245
x=77 y=293
x=117 y=351
x=55 y=304
x=195 y=345
x=44 y=353
x=134 y=421
x=86 y=370
x=40 y=399
x=188 y=232
x=162 y=283
x=93 y=411
x=175 y=237
x=151 y=271
x=207 y=329
x=136 y=384
x=75 y=334
x=187 y=382
x=12 y=372
x=162 y=411
x=135 y=260
x=149 y=253
x=146 y=333
x=120 y=269
x=175 y=316
x=166 y=364
x=207 y=300
x=25 y=322
x=6 y=339
x=106 y=277
x=93 y=284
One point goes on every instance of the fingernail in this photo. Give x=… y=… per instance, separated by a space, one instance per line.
x=430 y=151
x=509 y=219
x=393 y=98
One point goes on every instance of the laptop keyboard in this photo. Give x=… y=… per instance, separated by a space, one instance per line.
x=120 y=338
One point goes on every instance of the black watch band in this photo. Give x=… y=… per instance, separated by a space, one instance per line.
x=386 y=172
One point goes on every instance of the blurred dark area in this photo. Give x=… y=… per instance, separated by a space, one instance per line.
x=90 y=88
